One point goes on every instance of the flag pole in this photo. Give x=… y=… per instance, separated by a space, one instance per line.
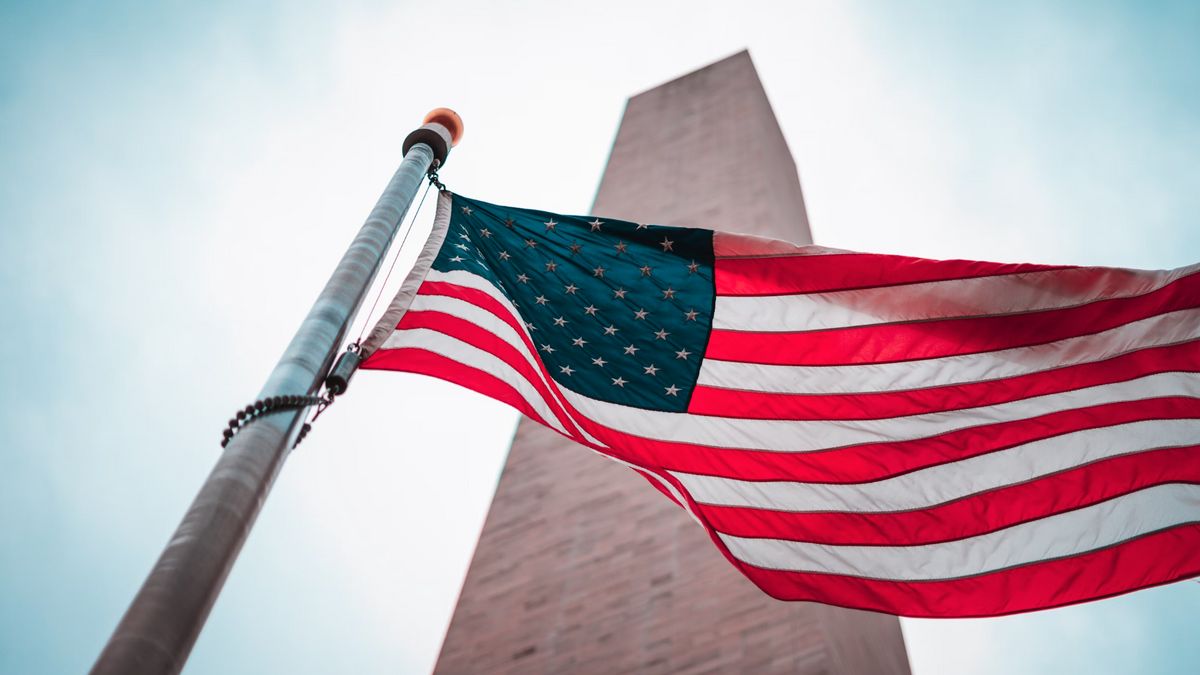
x=157 y=632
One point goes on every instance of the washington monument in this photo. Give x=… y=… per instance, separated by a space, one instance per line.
x=584 y=567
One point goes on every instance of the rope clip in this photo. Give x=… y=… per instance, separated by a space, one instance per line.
x=433 y=175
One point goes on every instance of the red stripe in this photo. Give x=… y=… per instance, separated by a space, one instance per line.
x=475 y=297
x=970 y=516
x=399 y=359
x=479 y=299
x=1152 y=560
x=657 y=485
x=472 y=334
x=424 y=362
x=886 y=343
x=478 y=337
x=1184 y=357
x=787 y=275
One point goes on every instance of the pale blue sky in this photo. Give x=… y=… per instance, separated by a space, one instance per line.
x=177 y=180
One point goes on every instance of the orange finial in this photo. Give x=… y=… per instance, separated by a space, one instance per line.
x=449 y=119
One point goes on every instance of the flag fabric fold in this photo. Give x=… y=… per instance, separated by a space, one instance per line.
x=917 y=437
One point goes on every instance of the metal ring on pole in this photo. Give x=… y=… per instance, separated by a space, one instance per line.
x=435 y=136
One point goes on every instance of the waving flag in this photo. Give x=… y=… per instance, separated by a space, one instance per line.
x=918 y=437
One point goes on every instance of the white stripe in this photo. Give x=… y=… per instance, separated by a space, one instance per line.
x=946 y=482
x=470 y=355
x=1065 y=534
x=808 y=436
x=983 y=296
x=470 y=280
x=1164 y=329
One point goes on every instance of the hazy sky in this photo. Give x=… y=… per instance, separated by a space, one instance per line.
x=177 y=180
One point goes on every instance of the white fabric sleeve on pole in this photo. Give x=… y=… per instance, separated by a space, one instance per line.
x=408 y=290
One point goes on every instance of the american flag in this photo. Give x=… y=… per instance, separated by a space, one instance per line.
x=917 y=437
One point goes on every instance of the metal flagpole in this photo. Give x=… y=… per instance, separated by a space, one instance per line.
x=163 y=621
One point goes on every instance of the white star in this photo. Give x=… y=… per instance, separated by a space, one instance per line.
x=466 y=210
x=619 y=382
x=599 y=361
x=598 y=272
x=570 y=289
x=682 y=354
x=566 y=370
x=693 y=267
x=541 y=299
x=669 y=293
x=464 y=235
x=631 y=350
x=646 y=270
x=661 y=334
x=621 y=246
x=666 y=244
x=548 y=349
x=620 y=293
x=462 y=246
x=508 y=222
x=504 y=255
x=457 y=258
x=551 y=266
x=530 y=326
x=640 y=314
x=523 y=278
x=596 y=225
x=640 y=226
x=575 y=248
x=486 y=233
x=579 y=342
x=590 y=309
x=651 y=369
x=529 y=243
x=672 y=390
x=560 y=321
x=691 y=314
x=550 y=224
x=611 y=330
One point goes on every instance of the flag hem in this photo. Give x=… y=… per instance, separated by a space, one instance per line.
x=416 y=276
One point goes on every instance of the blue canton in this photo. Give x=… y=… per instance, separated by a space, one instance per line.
x=618 y=311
